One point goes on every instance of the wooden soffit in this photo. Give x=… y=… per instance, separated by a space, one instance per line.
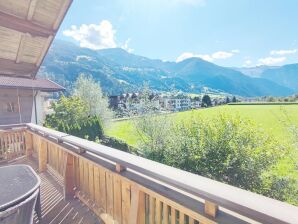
x=27 y=28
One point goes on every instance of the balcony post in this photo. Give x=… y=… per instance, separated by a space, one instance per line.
x=42 y=155
x=28 y=144
x=211 y=208
x=137 y=208
x=69 y=176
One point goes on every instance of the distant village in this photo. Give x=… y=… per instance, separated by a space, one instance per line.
x=136 y=103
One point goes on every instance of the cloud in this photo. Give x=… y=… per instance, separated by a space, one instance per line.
x=222 y=55
x=126 y=47
x=215 y=56
x=271 y=60
x=96 y=37
x=283 y=52
x=187 y=55
x=247 y=63
x=206 y=57
x=93 y=36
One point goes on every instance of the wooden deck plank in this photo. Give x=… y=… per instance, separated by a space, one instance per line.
x=55 y=210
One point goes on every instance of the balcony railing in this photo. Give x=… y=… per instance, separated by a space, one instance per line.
x=123 y=188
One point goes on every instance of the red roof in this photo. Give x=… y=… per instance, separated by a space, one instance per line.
x=45 y=85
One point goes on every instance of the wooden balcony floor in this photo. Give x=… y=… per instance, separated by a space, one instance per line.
x=55 y=210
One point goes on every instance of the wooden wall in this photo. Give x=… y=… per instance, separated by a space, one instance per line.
x=10 y=96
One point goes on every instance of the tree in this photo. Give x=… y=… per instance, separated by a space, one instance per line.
x=197 y=98
x=155 y=132
x=148 y=100
x=271 y=99
x=234 y=99
x=67 y=110
x=71 y=116
x=89 y=91
x=206 y=101
x=228 y=100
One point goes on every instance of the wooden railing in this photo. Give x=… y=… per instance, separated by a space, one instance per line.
x=123 y=188
x=12 y=143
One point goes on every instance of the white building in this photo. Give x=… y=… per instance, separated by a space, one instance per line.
x=195 y=104
x=177 y=103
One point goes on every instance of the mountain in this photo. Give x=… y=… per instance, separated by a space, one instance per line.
x=119 y=71
x=286 y=75
x=202 y=73
x=254 y=71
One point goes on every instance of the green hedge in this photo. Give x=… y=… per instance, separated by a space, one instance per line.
x=91 y=129
x=118 y=144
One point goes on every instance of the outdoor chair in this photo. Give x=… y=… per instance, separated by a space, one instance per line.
x=21 y=213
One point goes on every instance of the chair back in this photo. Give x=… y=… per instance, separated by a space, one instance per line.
x=21 y=213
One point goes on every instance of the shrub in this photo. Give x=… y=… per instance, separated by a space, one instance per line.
x=71 y=116
x=226 y=148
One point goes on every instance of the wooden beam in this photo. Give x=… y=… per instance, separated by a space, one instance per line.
x=137 y=209
x=42 y=155
x=28 y=144
x=24 y=26
x=22 y=69
x=64 y=8
x=21 y=48
x=44 y=50
x=69 y=175
x=31 y=9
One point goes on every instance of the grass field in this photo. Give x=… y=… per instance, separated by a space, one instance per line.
x=274 y=119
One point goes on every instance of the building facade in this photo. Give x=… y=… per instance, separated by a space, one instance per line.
x=24 y=100
x=176 y=103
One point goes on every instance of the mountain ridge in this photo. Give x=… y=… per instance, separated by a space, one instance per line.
x=119 y=71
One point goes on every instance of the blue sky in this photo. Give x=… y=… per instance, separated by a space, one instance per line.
x=225 y=32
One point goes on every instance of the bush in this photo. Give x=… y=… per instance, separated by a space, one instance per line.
x=226 y=148
x=118 y=144
x=91 y=129
x=71 y=116
x=284 y=188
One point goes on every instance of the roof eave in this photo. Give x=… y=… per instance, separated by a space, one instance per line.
x=33 y=88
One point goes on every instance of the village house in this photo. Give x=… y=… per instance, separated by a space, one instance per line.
x=176 y=103
x=133 y=102
x=23 y=100
x=195 y=104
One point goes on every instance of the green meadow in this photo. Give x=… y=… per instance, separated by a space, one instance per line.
x=276 y=120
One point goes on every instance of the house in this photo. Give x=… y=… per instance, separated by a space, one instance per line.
x=27 y=29
x=22 y=100
x=195 y=104
x=134 y=102
x=123 y=101
x=177 y=103
x=116 y=103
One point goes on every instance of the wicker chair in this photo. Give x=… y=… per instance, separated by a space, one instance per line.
x=21 y=213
